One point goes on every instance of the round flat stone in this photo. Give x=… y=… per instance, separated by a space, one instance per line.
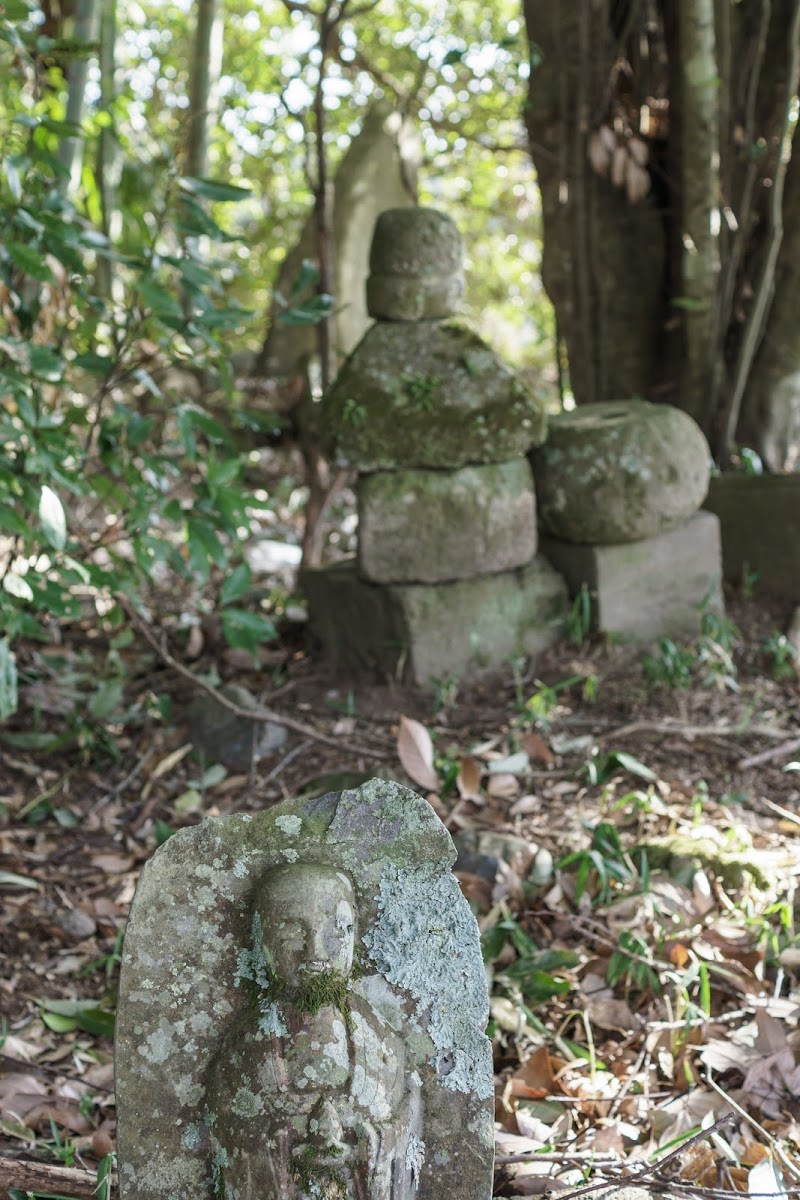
x=619 y=471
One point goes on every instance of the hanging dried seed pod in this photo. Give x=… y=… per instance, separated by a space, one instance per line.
x=609 y=138
x=599 y=155
x=638 y=151
x=637 y=182
x=619 y=163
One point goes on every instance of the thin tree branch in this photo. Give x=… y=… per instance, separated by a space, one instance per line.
x=258 y=712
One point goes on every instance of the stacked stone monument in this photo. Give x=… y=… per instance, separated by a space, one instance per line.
x=447 y=579
x=618 y=487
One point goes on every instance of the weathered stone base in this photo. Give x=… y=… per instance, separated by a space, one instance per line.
x=423 y=632
x=760 y=517
x=651 y=588
x=438 y=526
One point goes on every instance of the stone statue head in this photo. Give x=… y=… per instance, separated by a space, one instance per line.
x=308 y=915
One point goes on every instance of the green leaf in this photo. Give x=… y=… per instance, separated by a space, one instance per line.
x=53 y=518
x=203 y=534
x=8 y=679
x=17 y=585
x=213 y=189
x=162 y=831
x=45 y=364
x=106 y=700
x=158 y=299
x=311 y=313
x=86 y=1014
x=28 y=260
x=15 y=10
x=629 y=763
x=236 y=585
x=246 y=630
x=306 y=277
x=59 y=1024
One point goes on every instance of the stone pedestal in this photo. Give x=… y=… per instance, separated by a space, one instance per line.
x=650 y=588
x=421 y=633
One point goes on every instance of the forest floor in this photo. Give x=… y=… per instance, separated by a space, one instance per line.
x=639 y=910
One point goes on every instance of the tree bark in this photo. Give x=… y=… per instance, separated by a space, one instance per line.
x=205 y=69
x=603 y=258
x=70 y=152
x=701 y=219
x=107 y=171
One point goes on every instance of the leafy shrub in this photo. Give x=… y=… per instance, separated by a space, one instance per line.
x=114 y=484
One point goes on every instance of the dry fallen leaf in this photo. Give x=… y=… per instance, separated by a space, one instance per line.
x=170 y=761
x=538 y=749
x=502 y=786
x=415 y=751
x=468 y=780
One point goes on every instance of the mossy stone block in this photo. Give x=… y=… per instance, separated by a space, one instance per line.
x=429 y=394
x=432 y=526
x=422 y=633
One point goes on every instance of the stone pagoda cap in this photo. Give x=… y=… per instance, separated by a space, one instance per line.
x=416 y=267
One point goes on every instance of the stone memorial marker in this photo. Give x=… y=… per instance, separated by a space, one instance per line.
x=446 y=581
x=302 y=1009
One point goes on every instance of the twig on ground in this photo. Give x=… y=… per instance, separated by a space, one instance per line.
x=682 y=729
x=26 y=1175
x=785 y=813
x=755 y=760
x=258 y=712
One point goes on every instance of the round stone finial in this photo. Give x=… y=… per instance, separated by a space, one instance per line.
x=416 y=270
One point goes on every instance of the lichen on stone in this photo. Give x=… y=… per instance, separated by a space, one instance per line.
x=425 y=942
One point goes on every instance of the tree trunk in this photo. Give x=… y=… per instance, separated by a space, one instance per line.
x=70 y=152
x=685 y=295
x=205 y=69
x=698 y=133
x=770 y=420
x=604 y=255
x=107 y=170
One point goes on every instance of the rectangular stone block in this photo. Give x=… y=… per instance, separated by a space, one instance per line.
x=760 y=517
x=435 y=526
x=423 y=632
x=651 y=588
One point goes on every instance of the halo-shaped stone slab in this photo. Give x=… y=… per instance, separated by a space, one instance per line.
x=230 y=1086
x=619 y=471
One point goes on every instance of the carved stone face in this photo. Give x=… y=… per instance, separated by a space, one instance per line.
x=309 y=921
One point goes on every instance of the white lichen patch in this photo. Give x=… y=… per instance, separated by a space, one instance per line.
x=426 y=941
x=188 y=1090
x=290 y=855
x=240 y=869
x=247 y=1104
x=289 y=824
x=191 y=1137
x=415 y=1156
x=159 y=1044
x=270 y=1020
x=373 y=1074
x=336 y=1050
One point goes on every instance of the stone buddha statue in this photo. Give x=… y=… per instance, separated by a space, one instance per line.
x=308 y=1094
